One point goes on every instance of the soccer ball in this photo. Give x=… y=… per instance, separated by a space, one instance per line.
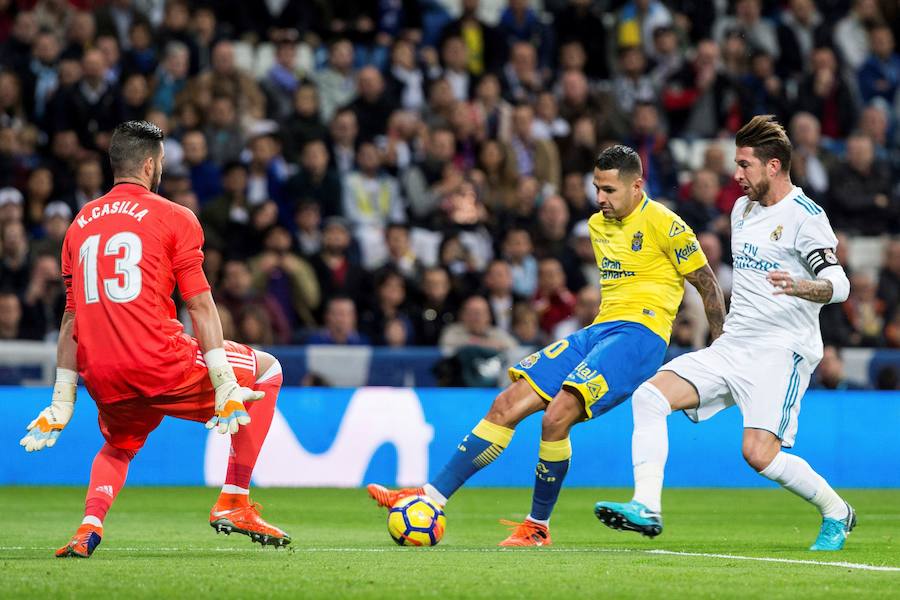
x=416 y=521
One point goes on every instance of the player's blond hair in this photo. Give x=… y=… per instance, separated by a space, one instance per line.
x=768 y=139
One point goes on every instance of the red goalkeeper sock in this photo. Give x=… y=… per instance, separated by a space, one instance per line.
x=246 y=443
x=108 y=475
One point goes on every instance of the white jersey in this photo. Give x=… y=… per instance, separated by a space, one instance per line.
x=778 y=237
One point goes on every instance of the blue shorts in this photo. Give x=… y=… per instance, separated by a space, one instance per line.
x=602 y=364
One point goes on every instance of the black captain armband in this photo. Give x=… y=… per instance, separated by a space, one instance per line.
x=821 y=259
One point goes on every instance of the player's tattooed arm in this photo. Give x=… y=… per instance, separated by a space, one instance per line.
x=814 y=290
x=713 y=300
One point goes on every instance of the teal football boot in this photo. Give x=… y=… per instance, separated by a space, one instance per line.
x=629 y=516
x=834 y=532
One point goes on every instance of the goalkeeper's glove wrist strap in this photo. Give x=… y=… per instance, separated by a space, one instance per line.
x=65 y=386
x=220 y=371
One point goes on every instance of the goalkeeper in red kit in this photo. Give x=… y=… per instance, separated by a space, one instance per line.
x=122 y=257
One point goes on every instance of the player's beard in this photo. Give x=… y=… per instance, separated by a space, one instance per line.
x=757 y=192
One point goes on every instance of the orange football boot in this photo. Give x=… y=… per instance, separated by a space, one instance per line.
x=83 y=543
x=527 y=533
x=245 y=519
x=387 y=498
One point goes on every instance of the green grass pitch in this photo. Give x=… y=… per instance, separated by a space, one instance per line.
x=157 y=544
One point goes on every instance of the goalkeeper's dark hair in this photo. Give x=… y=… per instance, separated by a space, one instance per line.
x=768 y=139
x=623 y=158
x=131 y=144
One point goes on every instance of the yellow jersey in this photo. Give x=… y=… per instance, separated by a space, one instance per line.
x=643 y=260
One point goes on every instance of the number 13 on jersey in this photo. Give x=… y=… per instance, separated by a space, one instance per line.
x=126 y=285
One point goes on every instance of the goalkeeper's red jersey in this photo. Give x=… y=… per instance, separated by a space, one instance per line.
x=122 y=256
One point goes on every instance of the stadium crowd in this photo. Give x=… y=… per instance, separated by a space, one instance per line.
x=413 y=173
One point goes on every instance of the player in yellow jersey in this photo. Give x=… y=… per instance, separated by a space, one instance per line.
x=644 y=252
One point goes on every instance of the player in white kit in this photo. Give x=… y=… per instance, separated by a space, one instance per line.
x=785 y=269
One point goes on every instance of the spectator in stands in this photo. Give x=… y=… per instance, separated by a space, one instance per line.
x=496 y=176
x=824 y=93
x=526 y=325
x=651 y=143
x=484 y=47
x=57 y=217
x=889 y=278
x=225 y=79
x=303 y=124
x=757 y=30
x=879 y=75
x=429 y=180
x=577 y=197
x=763 y=89
x=638 y=19
x=633 y=85
x=66 y=153
x=667 y=55
x=372 y=104
x=493 y=112
x=552 y=300
x=860 y=190
x=315 y=180
x=237 y=294
x=282 y=81
x=850 y=33
x=286 y=278
x=701 y=211
x=437 y=306
x=224 y=136
x=38 y=192
x=308 y=227
x=10 y=315
x=454 y=68
x=337 y=82
x=389 y=305
x=539 y=158
x=90 y=108
x=695 y=96
x=801 y=29
x=371 y=199
x=865 y=312
x=267 y=171
x=227 y=217
x=520 y=79
x=498 y=289
x=206 y=177
x=518 y=250
x=474 y=329
x=336 y=271
x=873 y=122
x=39 y=76
x=15 y=51
x=88 y=184
x=400 y=255
x=552 y=228
x=830 y=373
x=171 y=76
x=344 y=131
x=714 y=160
x=15 y=260
x=340 y=325
x=587 y=305
x=810 y=162
x=405 y=80
x=44 y=300
x=11 y=210
x=580 y=25
x=140 y=57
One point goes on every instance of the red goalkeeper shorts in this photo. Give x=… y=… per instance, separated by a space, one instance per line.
x=126 y=424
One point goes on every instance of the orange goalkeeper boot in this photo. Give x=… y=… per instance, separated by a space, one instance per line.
x=526 y=533
x=244 y=518
x=387 y=498
x=83 y=543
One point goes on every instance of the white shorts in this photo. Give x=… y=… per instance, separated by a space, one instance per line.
x=766 y=383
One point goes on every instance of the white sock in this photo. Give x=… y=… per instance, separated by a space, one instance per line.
x=538 y=521
x=435 y=495
x=233 y=489
x=795 y=474
x=92 y=520
x=649 y=444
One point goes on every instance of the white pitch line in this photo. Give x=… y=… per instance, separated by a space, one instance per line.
x=445 y=549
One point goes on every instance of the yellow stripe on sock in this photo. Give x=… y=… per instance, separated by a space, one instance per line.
x=489 y=455
x=555 y=451
x=495 y=434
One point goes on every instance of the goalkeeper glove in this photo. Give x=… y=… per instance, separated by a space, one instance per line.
x=44 y=430
x=230 y=412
